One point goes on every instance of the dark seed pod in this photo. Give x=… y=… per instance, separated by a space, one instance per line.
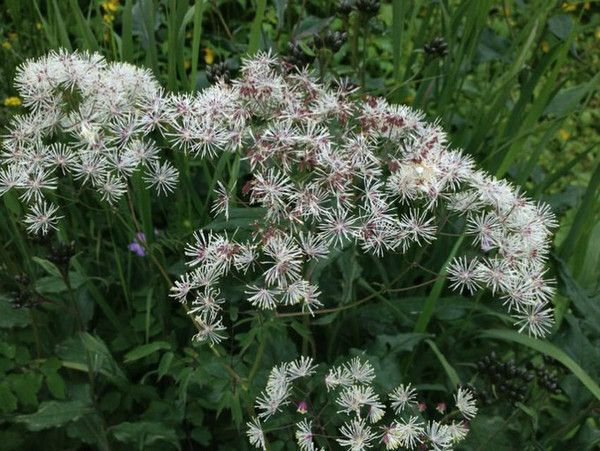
x=332 y=40
x=368 y=7
x=218 y=71
x=437 y=48
x=22 y=279
x=297 y=57
x=345 y=7
x=61 y=254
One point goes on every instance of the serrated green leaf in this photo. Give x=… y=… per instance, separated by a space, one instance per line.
x=53 y=414
x=144 y=433
x=26 y=386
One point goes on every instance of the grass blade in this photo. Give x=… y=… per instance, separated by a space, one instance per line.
x=87 y=36
x=583 y=217
x=256 y=28
x=434 y=295
x=196 y=35
x=127 y=32
x=450 y=371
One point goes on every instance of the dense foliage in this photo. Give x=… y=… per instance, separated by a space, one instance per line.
x=295 y=225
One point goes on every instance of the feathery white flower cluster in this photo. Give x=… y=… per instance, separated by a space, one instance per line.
x=89 y=119
x=329 y=171
x=359 y=415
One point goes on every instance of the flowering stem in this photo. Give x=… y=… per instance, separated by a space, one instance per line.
x=374 y=294
x=259 y=355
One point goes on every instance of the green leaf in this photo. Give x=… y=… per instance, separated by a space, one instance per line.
x=550 y=350
x=145 y=350
x=561 y=26
x=165 y=364
x=56 y=385
x=26 y=386
x=567 y=100
x=54 y=284
x=239 y=218
x=144 y=433
x=402 y=342
x=79 y=352
x=8 y=401
x=89 y=429
x=48 y=266
x=53 y=414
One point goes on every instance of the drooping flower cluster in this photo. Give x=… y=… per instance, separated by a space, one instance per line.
x=354 y=415
x=87 y=119
x=329 y=171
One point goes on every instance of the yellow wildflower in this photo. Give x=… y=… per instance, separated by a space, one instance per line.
x=38 y=26
x=563 y=134
x=187 y=64
x=209 y=55
x=12 y=101
x=12 y=36
x=6 y=45
x=108 y=18
x=110 y=6
x=569 y=6
x=545 y=46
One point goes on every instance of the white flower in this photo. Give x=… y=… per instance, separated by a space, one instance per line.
x=304 y=436
x=536 y=319
x=263 y=298
x=338 y=376
x=458 y=431
x=357 y=435
x=255 y=433
x=41 y=218
x=301 y=367
x=409 y=432
x=438 y=435
x=463 y=274
x=210 y=328
x=465 y=402
x=360 y=372
x=402 y=397
x=221 y=204
x=112 y=188
x=351 y=399
x=163 y=177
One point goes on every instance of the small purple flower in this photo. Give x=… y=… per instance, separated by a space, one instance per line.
x=136 y=246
